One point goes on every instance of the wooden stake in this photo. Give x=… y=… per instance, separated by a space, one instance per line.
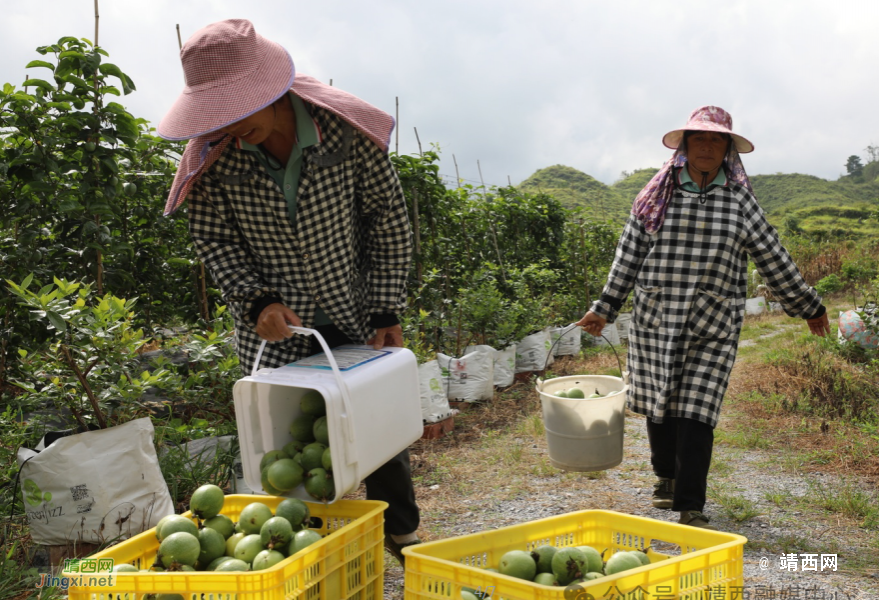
x=419 y=141
x=457 y=174
x=509 y=182
x=179 y=39
x=331 y=82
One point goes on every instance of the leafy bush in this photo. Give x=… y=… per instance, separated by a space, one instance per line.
x=829 y=285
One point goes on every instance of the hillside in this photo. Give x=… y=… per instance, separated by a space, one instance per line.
x=803 y=202
x=575 y=189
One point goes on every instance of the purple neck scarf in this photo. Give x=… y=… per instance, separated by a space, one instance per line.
x=652 y=202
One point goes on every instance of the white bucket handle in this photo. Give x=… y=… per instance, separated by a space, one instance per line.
x=343 y=387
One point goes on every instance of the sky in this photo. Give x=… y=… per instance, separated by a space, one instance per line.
x=509 y=87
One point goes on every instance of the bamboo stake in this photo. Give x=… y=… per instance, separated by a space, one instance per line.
x=398 y=124
x=200 y=275
x=509 y=181
x=457 y=174
x=331 y=82
x=100 y=254
x=497 y=249
x=418 y=139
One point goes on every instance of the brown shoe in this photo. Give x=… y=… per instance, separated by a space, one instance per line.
x=694 y=518
x=663 y=493
x=397 y=549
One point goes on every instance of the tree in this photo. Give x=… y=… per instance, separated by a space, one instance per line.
x=872 y=152
x=853 y=166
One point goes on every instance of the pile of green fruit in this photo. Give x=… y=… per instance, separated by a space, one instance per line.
x=577 y=393
x=549 y=565
x=214 y=542
x=306 y=460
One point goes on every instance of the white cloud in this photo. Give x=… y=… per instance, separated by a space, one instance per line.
x=521 y=85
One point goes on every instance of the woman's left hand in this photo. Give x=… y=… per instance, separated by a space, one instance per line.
x=819 y=326
x=388 y=336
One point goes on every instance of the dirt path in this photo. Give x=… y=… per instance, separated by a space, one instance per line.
x=750 y=494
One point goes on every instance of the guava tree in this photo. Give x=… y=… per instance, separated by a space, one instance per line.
x=82 y=183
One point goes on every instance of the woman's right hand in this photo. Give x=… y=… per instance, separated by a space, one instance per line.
x=273 y=322
x=592 y=323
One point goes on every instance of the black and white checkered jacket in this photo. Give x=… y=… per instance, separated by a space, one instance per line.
x=690 y=284
x=348 y=252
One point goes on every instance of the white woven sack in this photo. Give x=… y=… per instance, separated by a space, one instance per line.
x=469 y=378
x=569 y=344
x=532 y=351
x=611 y=333
x=94 y=487
x=434 y=403
x=505 y=366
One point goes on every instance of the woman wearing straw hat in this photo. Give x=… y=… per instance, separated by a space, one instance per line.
x=684 y=252
x=297 y=211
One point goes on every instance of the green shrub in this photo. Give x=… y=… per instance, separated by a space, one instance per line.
x=829 y=285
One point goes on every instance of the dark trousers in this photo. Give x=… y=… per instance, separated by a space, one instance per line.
x=680 y=449
x=391 y=482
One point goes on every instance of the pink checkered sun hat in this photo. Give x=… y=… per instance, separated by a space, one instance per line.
x=708 y=118
x=231 y=72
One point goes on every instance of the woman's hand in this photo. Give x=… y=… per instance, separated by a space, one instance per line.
x=273 y=322
x=388 y=336
x=819 y=326
x=592 y=323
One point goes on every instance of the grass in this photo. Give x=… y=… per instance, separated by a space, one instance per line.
x=848 y=500
x=735 y=506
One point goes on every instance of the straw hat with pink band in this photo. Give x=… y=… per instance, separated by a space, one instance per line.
x=652 y=201
x=233 y=72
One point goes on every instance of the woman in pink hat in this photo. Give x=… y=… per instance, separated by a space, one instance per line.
x=297 y=211
x=684 y=251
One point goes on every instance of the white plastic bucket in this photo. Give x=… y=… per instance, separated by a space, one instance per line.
x=373 y=409
x=584 y=434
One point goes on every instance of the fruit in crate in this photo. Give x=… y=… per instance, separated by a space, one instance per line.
x=568 y=564
x=221 y=523
x=621 y=561
x=596 y=394
x=519 y=564
x=543 y=557
x=295 y=511
x=302 y=539
x=213 y=546
x=576 y=393
x=253 y=516
x=174 y=524
x=267 y=559
x=179 y=548
x=276 y=533
x=206 y=501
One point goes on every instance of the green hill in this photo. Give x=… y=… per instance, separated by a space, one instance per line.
x=816 y=206
x=575 y=189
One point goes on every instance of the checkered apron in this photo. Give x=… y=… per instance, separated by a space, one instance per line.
x=349 y=250
x=690 y=284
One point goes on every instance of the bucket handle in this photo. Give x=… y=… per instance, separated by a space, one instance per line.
x=566 y=332
x=343 y=387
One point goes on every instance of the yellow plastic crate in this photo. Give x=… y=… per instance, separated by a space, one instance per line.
x=690 y=564
x=348 y=563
